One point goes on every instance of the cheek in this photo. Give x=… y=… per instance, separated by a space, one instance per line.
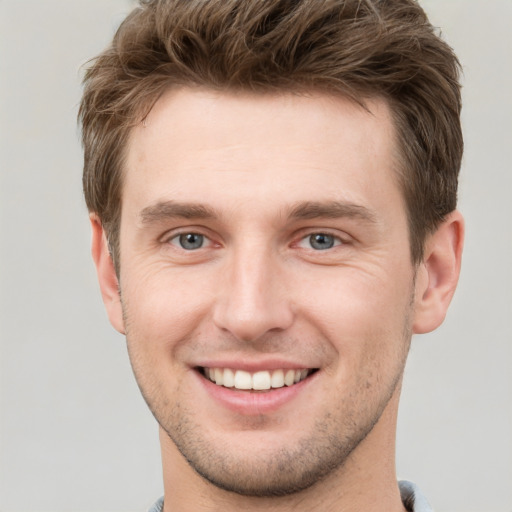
x=365 y=318
x=351 y=299
x=163 y=308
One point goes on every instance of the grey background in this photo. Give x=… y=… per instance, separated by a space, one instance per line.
x=74 y=432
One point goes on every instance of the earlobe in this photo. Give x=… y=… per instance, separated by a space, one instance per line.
x=107 y=277
x=438 y=274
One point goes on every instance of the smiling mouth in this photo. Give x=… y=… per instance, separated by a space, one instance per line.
x=258 y=381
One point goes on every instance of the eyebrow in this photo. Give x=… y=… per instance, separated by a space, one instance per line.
x=306 y=210
x=332 y=210
x=164 y=210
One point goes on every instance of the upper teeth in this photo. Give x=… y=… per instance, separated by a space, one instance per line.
x=261 y=380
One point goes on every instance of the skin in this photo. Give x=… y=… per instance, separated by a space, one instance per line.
x=256 y=176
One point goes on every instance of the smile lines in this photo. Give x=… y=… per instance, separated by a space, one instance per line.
x=259 y=381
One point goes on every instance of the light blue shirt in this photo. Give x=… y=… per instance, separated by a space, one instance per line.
x=412 y=499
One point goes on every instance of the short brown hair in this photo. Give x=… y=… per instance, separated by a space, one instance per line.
x=356 y=48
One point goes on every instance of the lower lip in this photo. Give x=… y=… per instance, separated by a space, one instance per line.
x=254 y=403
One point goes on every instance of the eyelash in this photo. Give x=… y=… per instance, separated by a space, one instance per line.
x=178 y=240
x=320 y=237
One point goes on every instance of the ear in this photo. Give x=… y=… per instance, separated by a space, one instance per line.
x=438 y=274
x=109 y=285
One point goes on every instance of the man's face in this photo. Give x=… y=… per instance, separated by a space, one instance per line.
x=264 y=239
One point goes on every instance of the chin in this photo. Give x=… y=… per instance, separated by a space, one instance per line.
x=280 y=467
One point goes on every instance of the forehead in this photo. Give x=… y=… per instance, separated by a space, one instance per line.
x=197 y=145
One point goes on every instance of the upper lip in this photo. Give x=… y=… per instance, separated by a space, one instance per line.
x=253 y=366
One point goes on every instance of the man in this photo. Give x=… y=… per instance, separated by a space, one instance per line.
x=272 y=192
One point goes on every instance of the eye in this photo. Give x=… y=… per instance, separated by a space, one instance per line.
x=189 y=241
x=320 y=241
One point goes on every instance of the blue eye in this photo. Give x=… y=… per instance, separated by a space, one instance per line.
x=322 y=241
x=190 y=241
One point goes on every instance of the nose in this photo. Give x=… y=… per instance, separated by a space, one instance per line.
x=252 y=299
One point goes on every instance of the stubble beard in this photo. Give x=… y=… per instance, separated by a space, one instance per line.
x=321 y=452
x=286 y=471
x=290 y=469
